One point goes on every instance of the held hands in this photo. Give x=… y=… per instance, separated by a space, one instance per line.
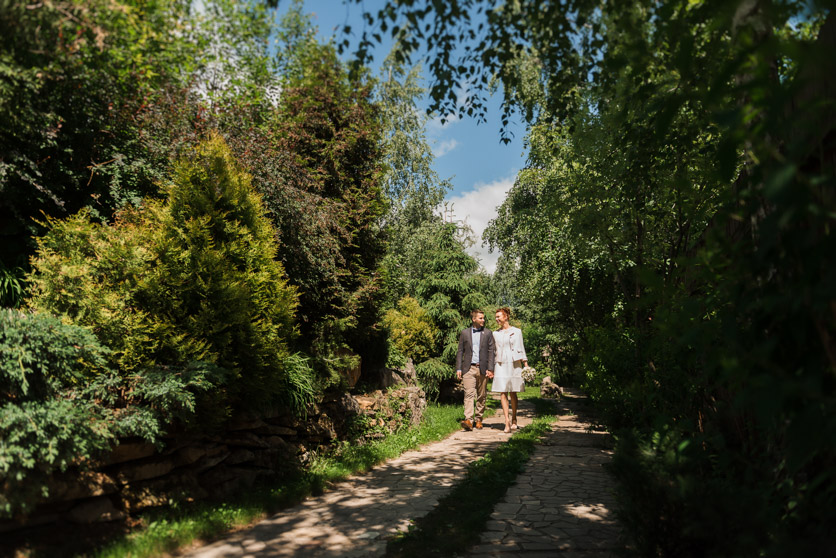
x=488 y=373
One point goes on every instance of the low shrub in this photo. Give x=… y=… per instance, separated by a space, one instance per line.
x=41 y=437
x=61 y=405
x=47 y=419
x=431 y=373
x=411 y=329
x=40 y=355
x=394 y=358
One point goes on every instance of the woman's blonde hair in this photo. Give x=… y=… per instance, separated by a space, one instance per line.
x=505 y=310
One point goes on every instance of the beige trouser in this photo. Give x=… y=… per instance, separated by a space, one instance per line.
x=475 y=389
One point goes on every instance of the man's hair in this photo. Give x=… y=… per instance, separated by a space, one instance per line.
x=476 y=311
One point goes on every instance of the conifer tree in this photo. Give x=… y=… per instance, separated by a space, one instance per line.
x=187 y=280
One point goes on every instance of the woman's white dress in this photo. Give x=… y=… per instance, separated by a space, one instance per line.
x=507 y=372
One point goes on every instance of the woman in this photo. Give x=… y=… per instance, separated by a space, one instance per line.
x=510 y=360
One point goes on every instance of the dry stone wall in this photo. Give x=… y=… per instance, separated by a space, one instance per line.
x=137 y=475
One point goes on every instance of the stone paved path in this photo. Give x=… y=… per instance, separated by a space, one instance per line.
x=357 y=516
x=561 y=505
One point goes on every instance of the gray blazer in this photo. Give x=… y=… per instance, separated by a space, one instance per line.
x=487 y=351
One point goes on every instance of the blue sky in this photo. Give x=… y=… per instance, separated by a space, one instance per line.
x=480 y=167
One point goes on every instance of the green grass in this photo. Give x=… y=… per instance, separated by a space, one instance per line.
x=167 y=531
x=171 y=528
x=460 y=517
x=439 y=421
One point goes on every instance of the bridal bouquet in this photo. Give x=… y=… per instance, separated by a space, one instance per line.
x=528 y=374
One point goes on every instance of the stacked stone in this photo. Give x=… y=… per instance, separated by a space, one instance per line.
x=138 y=475
x=550 y=389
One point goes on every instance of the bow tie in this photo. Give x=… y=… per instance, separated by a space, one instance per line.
x=478 y=329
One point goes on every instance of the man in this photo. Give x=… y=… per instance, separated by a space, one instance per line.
x=476 y=355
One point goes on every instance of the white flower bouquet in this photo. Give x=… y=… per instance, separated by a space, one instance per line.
x=528 y=374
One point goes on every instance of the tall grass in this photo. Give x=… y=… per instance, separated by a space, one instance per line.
x=12 y=287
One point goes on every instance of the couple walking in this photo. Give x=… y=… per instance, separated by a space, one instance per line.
x=498 y=355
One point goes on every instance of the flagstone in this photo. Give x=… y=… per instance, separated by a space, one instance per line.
x=385 y=500
x=560 y=505
x=565 y=493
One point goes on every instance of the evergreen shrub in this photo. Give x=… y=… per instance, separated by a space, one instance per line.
x=411 y=329
x=45 y=422
x=431 y=373
x=62 y=405
x=39 y=355
x=188 y=287
x=394 y=357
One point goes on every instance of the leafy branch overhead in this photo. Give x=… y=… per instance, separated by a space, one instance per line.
x=548 y=56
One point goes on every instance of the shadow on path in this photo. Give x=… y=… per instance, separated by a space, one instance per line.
x=562 y=503
x=356 y=516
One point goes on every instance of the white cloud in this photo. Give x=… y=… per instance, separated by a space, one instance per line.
x=435 y=126
x=445 y=147
x=476 y=208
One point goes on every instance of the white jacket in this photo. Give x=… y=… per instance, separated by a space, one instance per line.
x=517 y=349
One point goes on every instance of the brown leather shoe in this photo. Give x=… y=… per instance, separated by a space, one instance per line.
x=467 y=425
x=478 y=425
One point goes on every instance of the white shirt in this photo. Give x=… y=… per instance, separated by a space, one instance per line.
x=476 y=336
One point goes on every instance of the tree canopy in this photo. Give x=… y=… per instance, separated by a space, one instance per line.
x=671 y=231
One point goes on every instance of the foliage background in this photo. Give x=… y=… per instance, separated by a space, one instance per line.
x=199 y=224
x=671 y=232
